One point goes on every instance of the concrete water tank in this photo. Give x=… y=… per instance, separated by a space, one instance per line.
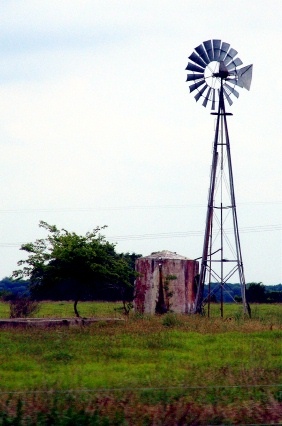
x=166 y=282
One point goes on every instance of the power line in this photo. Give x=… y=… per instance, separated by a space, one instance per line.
x=260 y=228
x=248 y=229
x=129 y=207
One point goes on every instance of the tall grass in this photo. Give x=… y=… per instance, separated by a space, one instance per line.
x=145 y=369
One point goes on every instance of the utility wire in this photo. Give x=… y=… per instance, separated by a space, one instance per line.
x=133 y=207
x=116 y=238
x=260 y=228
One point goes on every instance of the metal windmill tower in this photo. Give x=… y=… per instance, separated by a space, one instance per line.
x=215 y=71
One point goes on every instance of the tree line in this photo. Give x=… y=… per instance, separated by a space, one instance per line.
x=255 y=293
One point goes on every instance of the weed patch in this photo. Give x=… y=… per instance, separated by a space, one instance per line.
x=161 y=407
x=171 y=320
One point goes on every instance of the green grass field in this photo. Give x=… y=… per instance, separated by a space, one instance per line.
x=166 y=370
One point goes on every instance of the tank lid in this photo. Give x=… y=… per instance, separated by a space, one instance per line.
x=165 y=254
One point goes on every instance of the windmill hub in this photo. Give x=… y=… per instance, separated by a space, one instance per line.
x=223 y=72
x=211 y=75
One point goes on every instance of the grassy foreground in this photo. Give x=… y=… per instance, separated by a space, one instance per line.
x=169 y=370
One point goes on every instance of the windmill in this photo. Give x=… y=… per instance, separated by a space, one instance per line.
x=214 y=74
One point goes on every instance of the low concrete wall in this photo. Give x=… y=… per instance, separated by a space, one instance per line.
x=49 y=322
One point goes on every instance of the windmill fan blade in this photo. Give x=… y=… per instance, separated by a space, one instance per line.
x=196 y=85
x=195 y=77
x=223 y=51
x=216 y=49
x=236 y=81
x=195 y=58
x=201 y=51
x=230 y=55
x=192 y=67
x=208 y=47
x=245 y=76
x=207 y=97
x=234 y=64
x=200 y=93
x=227 y=97
x=231 y=90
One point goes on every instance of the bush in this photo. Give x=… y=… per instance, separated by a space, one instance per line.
x=170 y=320
x=23 y=307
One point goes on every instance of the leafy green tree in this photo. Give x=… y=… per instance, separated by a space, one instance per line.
x=255 y=293
x=69 y=266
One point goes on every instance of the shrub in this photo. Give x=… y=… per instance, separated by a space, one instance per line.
x=170 y=320
x=23 y=307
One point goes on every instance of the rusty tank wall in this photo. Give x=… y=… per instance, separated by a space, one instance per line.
x=166 y=282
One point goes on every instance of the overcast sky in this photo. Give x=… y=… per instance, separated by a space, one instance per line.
x=97 y=125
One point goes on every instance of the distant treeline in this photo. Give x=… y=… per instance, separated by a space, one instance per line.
x=11 y=289
x=256 y=292
x=14 y=287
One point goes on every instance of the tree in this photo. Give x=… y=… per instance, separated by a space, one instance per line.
x=255 y=293
x=68 y=266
